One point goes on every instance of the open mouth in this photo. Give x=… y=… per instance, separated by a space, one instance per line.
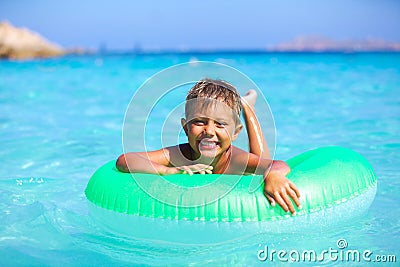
x=206 y=144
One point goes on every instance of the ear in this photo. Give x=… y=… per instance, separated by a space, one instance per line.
x=184 y=126
x=237 y=131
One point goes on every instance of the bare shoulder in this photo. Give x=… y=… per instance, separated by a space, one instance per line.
x=167 y=156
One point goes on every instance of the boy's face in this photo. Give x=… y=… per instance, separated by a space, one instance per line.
x=210 y=127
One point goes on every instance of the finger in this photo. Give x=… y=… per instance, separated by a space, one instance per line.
x=187 y=170
x=199 y=166
x=281 y=202
x=271 y=200
x=288 y=202
x=194 y=168
x=208 y=170
x=205 y=168
x=293 y=195
x=202 y=172
x=294 y=188
x=181 y=170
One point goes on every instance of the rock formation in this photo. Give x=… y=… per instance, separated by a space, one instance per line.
x=21 y=43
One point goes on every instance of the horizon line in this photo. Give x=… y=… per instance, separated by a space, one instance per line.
x=222 y=51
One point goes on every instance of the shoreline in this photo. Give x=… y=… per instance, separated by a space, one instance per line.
x=198 y=53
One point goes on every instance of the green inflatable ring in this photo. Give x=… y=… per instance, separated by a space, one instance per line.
x=327 y=178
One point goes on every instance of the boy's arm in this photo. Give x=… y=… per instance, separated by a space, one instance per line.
x=257 y=143
x=157 y=162
x=277 y=188
x=147 y=162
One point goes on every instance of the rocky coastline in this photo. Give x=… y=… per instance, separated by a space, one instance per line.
x=21 y=44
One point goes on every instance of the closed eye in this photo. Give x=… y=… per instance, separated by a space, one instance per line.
x=199 y=122
x=221 y=124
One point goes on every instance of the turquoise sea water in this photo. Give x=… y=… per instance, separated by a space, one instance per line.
x=60 y=119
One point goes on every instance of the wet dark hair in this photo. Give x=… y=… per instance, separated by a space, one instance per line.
x=217 y=90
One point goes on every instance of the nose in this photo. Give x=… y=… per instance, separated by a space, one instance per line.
x=209 y=128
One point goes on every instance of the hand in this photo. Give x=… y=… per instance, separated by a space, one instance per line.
x=277 y=188
x=191 y=169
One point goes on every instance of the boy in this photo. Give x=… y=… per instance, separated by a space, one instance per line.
x=212 y=122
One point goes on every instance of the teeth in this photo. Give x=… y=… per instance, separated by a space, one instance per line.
x=208 y=143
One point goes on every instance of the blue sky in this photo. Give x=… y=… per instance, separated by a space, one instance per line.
x=206 y=24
